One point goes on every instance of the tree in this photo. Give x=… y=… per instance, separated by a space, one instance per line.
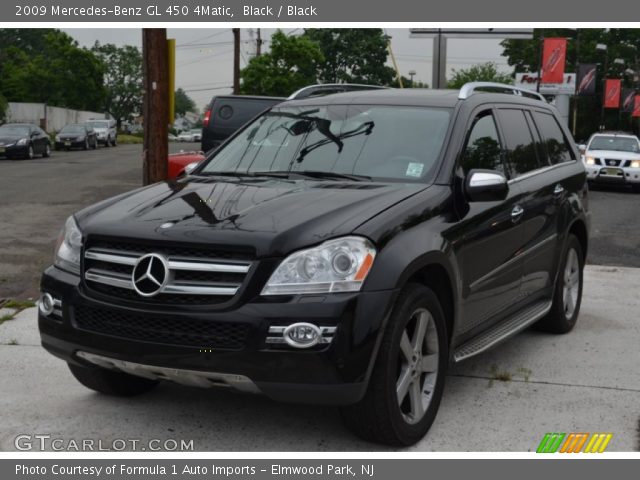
x=123 y=80
x=482 y=72
x=48 y=66
x=524 y=56
x=3 y=108
x=291 y=64
x=183 y=103
x=352 y=55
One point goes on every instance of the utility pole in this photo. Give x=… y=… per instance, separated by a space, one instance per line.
x=258 y=43
x=155 y=105
x=236 y=61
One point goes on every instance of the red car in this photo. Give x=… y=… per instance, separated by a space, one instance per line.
x=179 y=161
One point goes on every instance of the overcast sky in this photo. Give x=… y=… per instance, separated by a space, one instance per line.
x=204 y=57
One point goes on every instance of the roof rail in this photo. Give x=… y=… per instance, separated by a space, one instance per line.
x=470 y=88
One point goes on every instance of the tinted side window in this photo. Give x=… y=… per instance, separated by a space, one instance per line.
x=556 y=144
x=483 y=145
x=522 y=149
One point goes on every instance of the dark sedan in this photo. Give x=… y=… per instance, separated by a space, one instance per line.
x=23 y=140
x=76 y=135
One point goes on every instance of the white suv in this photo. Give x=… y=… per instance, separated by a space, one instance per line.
x=613 y=158
x=106 y=131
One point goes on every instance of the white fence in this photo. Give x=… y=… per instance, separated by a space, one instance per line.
x=52 y=119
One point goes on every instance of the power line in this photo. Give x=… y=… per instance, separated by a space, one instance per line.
x=229 y=87
x=203 y=38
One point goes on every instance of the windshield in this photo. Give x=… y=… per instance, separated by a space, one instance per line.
x=98 y=124
x=14 y=130
x=619 y=144
x=73 y=129
x=385 y=142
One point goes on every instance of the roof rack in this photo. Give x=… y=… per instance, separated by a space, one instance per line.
x=470 y=88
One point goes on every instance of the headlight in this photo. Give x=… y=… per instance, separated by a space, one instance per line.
x=67 y=255
x=22 y=141
x=339 y=265
x=590 y=161
x=635 y=164
x=57 y=138
x=80 y=138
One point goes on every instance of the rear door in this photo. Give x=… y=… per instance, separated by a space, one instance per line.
x=491 y=268
x=543 y=189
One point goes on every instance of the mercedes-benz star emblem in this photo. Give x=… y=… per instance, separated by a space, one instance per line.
x=150 y=274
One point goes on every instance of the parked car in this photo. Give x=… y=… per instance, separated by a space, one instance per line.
x=24 y=140
x=183 y=162
x=196 y=134
x=106 y=131
x=613 y=158
x=186 y=136
x=227 y=113
x=340 y=250
x=172 y=138
x=76 y=135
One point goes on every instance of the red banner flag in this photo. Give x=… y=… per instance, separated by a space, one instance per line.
x=636 y=107
x=554 y=53
x=612 y=90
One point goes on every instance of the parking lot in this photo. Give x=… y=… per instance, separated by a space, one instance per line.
x=506 y=399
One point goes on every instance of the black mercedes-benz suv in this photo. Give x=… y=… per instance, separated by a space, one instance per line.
x=339 y=250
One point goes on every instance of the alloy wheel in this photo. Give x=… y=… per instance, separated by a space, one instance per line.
x=418 y=366
x=571 y=286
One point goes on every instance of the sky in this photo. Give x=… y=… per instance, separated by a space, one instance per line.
x=204 y=57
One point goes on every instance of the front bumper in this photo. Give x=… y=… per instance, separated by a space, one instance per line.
x=613 y=175
x=69 y=144
x=336 y=373
x=14 y=150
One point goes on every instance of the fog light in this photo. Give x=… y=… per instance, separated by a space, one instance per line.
x=46 y=304
x=302 y=335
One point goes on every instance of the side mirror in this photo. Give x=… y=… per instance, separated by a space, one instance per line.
x=34 y=134
x=582 y=147
x=189 y=168
x=486 y=186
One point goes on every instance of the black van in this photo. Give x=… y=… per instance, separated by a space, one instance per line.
x=227 y=113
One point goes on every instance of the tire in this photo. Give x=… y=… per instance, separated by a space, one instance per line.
x=635 y=188
x=380 y=417
x=95 y=144
x=110 y=382
x=47 y=151
x=30 y=153
x=115 y=141
x=107 y=142
x=563 y=315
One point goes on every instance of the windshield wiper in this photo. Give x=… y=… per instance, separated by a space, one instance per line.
x=333 y=175
x=225 y=173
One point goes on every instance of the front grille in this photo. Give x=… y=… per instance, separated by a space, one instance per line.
x=611 y=162
x=194 y=275
x=166 y=330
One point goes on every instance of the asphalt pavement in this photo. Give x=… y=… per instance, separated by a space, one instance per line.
x=36 y=196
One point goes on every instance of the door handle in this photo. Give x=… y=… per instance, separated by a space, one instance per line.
x=516 y=213
x=558 y=190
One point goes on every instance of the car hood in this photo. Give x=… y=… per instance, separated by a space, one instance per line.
x=614 y=154
x=271 y=216
x=8 y=139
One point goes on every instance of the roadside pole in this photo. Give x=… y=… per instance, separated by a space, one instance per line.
x=155 y=106
x=236 y=61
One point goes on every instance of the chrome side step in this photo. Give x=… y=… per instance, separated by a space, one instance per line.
x=502 y=331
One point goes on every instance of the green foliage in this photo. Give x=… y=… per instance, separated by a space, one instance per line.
x=352 y=55
x=184 y=103
x=407 y=83
x=524 y=55
x=291 y=63
x=482 y=72
x=122 y=79
x=3 y=108
x=48 y=66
